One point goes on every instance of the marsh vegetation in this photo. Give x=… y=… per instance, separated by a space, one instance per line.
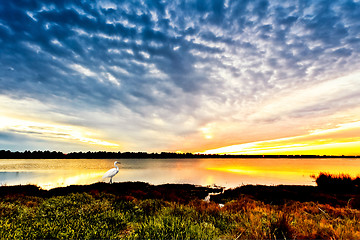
x=144 y=211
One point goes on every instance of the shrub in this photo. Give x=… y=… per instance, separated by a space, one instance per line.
x=336 y=183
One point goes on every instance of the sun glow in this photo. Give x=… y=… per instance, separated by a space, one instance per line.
x=342 y=140
x=207 y=133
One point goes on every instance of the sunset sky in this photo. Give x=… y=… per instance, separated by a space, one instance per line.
x=240 y=77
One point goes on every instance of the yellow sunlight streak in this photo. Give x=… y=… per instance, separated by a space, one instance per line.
x=233 y=169
x=342 y=140
x=73 y=179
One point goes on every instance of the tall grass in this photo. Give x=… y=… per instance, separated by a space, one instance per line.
x=106 y=216
x=337 y=182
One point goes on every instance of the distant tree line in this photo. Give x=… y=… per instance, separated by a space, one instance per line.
x=7 y=154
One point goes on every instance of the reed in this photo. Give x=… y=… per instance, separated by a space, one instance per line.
x=337 y=182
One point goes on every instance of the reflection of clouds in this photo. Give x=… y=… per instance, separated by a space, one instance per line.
x=8 y=177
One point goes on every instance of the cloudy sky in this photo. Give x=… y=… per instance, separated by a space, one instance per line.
x=217 y=76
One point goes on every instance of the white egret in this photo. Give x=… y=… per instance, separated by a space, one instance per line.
x=112 y=172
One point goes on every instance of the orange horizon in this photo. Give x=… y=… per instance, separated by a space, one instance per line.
x=340 y=140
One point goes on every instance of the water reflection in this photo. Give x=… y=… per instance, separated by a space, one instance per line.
x=50 y=173
x=49 y=179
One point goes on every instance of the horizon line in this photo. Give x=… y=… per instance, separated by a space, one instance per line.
x=59 y=154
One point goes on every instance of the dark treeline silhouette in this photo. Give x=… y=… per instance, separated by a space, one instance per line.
x=7 y=154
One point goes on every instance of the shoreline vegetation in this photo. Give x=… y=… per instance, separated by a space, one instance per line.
x=7 y=154
x=138 y=210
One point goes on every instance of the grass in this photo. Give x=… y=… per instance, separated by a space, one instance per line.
x=73 y=216
x=84 y=216
x=138 y=214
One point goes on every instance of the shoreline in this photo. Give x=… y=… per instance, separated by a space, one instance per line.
x=169 y=191
x=275 y=194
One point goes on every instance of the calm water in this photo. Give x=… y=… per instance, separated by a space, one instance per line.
x=50 y=173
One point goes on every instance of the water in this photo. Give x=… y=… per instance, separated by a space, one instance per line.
x=230 y=173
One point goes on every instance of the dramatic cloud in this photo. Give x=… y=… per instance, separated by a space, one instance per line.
x=176 y=75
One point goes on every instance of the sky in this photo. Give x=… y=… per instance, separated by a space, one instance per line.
x=238 y=77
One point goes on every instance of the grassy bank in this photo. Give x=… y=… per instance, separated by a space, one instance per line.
x=144 y=211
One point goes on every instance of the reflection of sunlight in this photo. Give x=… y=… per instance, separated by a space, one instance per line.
x=230 y=172
x=233 y=170
x=209 y=180
x=63 y=181
x=262 y=176
x=258 y=172
x=286 y=169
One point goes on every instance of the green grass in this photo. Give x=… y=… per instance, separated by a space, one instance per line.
x=72 y=216
x=106 y=216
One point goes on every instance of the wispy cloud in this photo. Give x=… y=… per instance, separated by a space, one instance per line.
x=334 y=141
x=70 y=134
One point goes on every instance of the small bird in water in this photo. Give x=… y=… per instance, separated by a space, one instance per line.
x=112 y=172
